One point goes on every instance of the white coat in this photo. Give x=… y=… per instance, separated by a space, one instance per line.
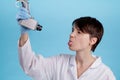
x=61 y=67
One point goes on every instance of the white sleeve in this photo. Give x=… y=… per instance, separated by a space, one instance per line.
x=36 y=66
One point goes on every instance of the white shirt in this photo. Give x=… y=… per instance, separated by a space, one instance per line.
x=61 y=67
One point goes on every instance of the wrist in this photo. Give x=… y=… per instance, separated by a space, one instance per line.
x=23 y=39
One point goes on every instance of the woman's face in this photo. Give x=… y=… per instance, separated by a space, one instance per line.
x=79 y=41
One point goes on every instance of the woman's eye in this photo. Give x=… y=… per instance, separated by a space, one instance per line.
x=79 y=32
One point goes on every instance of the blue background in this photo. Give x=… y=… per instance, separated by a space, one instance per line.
x=56 y=16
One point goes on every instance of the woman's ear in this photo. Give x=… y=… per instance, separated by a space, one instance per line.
x=93 y=40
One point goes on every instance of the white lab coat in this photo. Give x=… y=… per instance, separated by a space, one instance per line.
x=61 y=67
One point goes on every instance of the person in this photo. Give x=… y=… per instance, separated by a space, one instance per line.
x=86 y=34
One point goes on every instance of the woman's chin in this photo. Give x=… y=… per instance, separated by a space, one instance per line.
x=72 y=49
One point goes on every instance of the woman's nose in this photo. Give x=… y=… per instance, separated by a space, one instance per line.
x=72 y=35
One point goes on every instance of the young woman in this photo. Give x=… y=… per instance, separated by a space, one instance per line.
x=84 y=38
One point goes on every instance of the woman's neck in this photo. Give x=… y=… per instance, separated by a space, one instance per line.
x=84 y=58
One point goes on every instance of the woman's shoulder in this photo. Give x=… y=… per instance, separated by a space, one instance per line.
x=104 y=68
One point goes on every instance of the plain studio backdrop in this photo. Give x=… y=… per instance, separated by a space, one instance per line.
x=56 y=16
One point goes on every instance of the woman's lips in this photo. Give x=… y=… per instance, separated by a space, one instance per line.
x=70 y=43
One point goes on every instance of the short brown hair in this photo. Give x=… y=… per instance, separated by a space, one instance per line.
x=91 y=26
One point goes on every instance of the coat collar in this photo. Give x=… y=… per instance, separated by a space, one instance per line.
x=97 y=62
